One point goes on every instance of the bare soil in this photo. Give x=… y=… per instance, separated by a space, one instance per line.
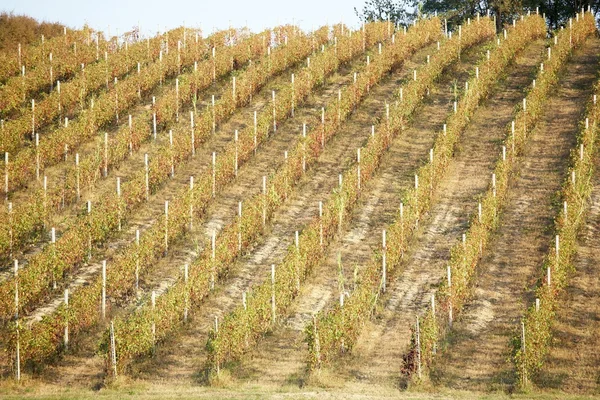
x=281 y=358
x=478 y=355
x=183 y=360
x=248 y=181
x=574 y=359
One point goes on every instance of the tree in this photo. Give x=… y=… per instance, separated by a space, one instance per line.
x=400 y=12
x=558 y=12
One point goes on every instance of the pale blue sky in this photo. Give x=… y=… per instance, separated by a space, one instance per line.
x=207 y=14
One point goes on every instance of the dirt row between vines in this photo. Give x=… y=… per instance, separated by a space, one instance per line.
x=152 y=210
x=56 y=173
x=182 y=358
x=268 y=157
x=281 y=358
x=134 y=163
x=478 y=356
x=377 y=357
x=574 y=358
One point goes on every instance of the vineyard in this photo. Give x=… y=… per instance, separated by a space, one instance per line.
x=363 y=212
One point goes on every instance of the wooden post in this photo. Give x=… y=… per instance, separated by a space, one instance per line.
x=240 y=226
x=32 y=118
x=113 y=348
x=358 y=168
x=37 y=155
x=154 y=124
x=341 y=216
x=58 y=93
x=402 y=225
x=66 y=337
x=77 y=176
x=45 y=187
x=214 y=114
x=450 y=316
x=166 y=226
x=191 y=203
x=119 y=199
x=18 y=347
x=137 y=260
x=10 y=228
x=235 y=139
x=565 y=211
x=273 y=307
x=274 y=113
x=103 y=289
x=512 y=132
x=192 y=133
x=213 y=275
x=53 y=245
x=264 y=190
x=383 y=261
x=417 y=198
x=214 y=174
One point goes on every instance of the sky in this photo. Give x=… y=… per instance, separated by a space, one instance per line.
x=153 y=15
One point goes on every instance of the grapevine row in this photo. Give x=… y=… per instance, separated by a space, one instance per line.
x=35 y=55
x=269 y=301
x=40 y=340
x=339 y=328
x=451 y=296
x=118 y=97
x=529 y=355
x=34 y=211
x=243 y=233
x=109 y=213
x=62 y=63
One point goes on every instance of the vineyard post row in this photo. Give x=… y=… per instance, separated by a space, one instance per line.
x=456 y=290
x=33 y=214
x=36 y=55
x=244 y=326
x=70 y=97
x=533 y=337
x=241 y=234
x=118 y=96
x=38 y=341
x=107 y=216
x=61 y=62
x=337 y=330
